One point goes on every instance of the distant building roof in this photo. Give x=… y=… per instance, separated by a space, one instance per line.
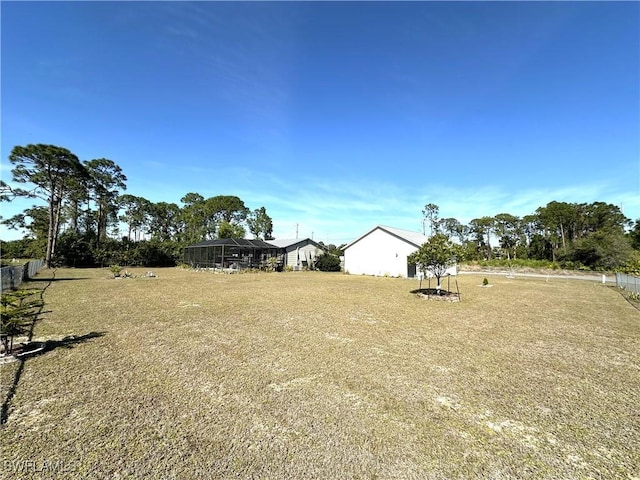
x=290 y=242
x=414 y=238
x=234 y=242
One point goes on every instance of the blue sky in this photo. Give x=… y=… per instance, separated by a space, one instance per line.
x=335 y=116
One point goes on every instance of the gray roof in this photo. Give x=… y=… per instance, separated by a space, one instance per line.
x=290 y=242
x=414 y=238
x=234 y=242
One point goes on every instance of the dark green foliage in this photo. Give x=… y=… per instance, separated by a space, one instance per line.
x=260 y=224
x=105 y=181
x=23 y=248
x=540 y=248
x=634 y=235
x=80 y=251
x=82 y=200
x=338 y=251
x=485 y=281
x=481 y=230
x=221 y=216
x=436 y=255
x=454 y=229
x=17 y=314
x=603 y=250
x=230 y=230
x=34 y=220
x=327 y=262
x=566 y=235
x=469 y=251
x=75 y=250
x=52 y=172
x=154 y=253
x=633 y=265
x=165 y=222
x=135 y=213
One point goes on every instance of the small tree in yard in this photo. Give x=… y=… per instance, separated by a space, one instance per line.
x=16 y=316
x=435 y=257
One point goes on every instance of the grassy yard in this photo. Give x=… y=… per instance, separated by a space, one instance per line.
x=311 y=375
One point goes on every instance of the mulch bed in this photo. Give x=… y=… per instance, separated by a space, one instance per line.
x=434 y=294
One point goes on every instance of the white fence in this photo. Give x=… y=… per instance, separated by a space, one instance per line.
x=12 y=276
x=628 y=282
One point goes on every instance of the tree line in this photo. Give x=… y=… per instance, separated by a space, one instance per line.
x=595 y=236
x=85 y=207
x=87 y=219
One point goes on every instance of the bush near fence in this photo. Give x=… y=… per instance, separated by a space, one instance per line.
x=13 y=276
x=628 y=282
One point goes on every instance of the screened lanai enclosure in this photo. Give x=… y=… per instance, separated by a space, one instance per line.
x=230 y=253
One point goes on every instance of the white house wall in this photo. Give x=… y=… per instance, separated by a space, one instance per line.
x=291 y=258
x=378 y=253
x=308 y=251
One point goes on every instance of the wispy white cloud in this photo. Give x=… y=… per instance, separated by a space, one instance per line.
x=343 y=210
x=467 y=203
x=337 y=210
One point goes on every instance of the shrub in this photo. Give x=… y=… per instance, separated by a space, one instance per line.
x=270 y=264
x=328 y=263
x=485 y=282
x=632 y=267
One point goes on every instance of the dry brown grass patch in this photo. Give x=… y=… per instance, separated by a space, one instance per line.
x=310 y=375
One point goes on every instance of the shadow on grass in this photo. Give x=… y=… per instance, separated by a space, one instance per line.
x=31 y=349
x=433 y=291
x=69 y=341
x=48 y=280
x=34 y=349
x=435 y=294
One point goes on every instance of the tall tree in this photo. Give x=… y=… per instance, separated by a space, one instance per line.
x=605 y=216
x=482 y=228
x=136 y=213
x=454 y=229
x=509 y=232
x=634 y=235
x=194 y=218
x=50 y=169
x=106 y=182
x=165 y=221
x=77 y=197
x=34 y=220
x=260 y=224
x=556 y=218
x=228 y=210
x=430 y=217
x=230 y=230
